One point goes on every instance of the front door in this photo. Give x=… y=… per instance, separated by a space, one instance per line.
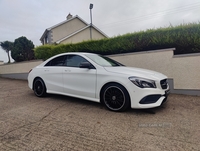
x=80 y=82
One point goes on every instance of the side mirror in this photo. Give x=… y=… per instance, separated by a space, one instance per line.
x=85 y=65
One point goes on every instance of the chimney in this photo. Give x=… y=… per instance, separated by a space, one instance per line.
x=69 y=16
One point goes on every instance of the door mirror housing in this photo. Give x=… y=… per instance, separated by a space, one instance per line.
x=85 y=65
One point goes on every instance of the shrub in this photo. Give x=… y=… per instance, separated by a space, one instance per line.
x=185 y=38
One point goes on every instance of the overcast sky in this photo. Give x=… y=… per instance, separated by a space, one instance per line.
x=30 y=18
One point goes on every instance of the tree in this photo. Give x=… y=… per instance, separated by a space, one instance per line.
x=22 y=49
x=7 y=46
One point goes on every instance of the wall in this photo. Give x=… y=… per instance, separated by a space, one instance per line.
x=18 y=70
x=66 y=29
x=84 y=35
x=183 y=69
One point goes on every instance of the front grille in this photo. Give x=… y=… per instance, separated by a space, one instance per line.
x=164 y=84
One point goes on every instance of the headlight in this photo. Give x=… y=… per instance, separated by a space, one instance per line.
x=142 y=82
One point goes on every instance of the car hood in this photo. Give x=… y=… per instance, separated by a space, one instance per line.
x=137 y=72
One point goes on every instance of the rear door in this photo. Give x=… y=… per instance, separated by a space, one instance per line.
x=53 y=74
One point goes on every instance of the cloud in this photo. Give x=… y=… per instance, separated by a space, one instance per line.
x=30 y=18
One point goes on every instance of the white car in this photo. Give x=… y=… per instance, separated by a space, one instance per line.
x=98 y=78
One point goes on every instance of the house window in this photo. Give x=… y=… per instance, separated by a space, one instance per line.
x=46 y=40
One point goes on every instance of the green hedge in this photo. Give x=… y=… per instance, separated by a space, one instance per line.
x=185 y=38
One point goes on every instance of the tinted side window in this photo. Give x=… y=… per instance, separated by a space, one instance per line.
x=58 y=61
x=74 y=60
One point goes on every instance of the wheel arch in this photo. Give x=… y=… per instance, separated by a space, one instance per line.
x=108 y=83
x=36 y=79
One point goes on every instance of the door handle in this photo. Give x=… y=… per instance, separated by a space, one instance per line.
x=67 y=70
x=46 y=70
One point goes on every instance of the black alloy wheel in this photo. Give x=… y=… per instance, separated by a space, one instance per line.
x=39 y=87
x=115 y=97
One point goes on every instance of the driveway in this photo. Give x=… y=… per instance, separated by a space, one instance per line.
x=65 y=123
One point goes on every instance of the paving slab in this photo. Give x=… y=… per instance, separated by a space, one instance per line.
x=64 y=123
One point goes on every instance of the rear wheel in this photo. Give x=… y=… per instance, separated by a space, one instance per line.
x=115 y=97
x=39 y=87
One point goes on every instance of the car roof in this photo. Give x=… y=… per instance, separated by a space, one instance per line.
x=67 y=53
x=78 y=53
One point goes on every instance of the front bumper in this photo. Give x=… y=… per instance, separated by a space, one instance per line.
x=154 y=98
x=147 y=98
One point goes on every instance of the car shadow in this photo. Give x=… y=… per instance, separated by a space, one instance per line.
x=98 y=105
x=148 y=111
x=75 y=100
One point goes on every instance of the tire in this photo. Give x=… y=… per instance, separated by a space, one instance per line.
x=115 y=97
x=39 y=87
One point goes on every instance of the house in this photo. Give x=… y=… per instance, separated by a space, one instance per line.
x=72 y=30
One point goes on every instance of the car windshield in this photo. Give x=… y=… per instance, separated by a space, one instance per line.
x=103 y=61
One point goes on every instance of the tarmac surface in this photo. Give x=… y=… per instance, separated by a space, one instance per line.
x=64 y=123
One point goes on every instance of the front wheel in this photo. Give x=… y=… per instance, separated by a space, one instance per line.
x=39 y=87
x=115 y=97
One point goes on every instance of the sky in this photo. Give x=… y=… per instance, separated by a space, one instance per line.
x=30 y=18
